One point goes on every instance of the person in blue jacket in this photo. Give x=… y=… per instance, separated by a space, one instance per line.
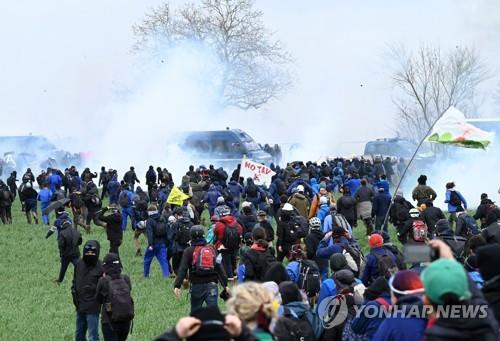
x=382 y=183
x=314 y=186
x=156 y=231
x=371 y=271
x=377 y=297
x=406 y=296
x=353 y=182
x=324 y=209
x=45 y=196
x=236 y=190
x=380 y=207
x=113 y=190
x=454 y=199
x=54 y=181
x=293 y=267
x=211 y=198
x=126 y=201
x=328 y=221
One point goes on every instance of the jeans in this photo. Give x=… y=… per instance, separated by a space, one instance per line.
x=45 y=217
x=116 y=331
x=84 y=323
x=229 y=262
x=160 y=252
x=127 y=212
x=64 y=266
x=203 y=292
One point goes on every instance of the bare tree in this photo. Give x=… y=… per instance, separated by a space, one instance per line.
x=429 y=82
x=254 y=65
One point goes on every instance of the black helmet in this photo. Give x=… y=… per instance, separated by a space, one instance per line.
x=197 y=232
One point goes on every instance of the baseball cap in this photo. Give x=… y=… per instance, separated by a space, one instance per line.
x=445 y=276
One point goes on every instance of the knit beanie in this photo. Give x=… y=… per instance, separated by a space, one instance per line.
x=375 y=241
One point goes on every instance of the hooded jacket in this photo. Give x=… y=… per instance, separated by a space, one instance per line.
x=152 y=232
x=312 y=243
x=346 y=206
x=113 y=225
x=68 y=241
x=431 y=215
x=221 y=225
x=403 y=326
x=300 y=202
x=300 y=310
x=422 y=192
x=381 y=204
x=452 y=208
x=371 y=271
x=211 y=196
x=85 y=279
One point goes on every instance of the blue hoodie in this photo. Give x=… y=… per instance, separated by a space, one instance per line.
x=211 y=197
x=113 y=186
x=354 y=184
x=235 y=189
x=314 y=186
x=327 y=248
x=54 y=181
x=323 y=212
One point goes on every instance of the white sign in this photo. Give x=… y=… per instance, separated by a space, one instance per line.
x=260 y=174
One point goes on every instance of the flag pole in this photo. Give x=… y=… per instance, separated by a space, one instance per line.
x=409 y=163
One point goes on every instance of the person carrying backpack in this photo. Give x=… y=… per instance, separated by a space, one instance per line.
x=312 y=242
x=181 y=238
x=455 y=201
x=201 y=265
x=485 y=206
x=68 y=241
x=380 y=262
x=286 y=232
x=228 y=235
x=414 y=230
x=297 y=321
x=254 y=262
x=88 y=270
x=156 y=231
x=126 y=201
x=466 y=225
x=113 y=293
x=430 y=214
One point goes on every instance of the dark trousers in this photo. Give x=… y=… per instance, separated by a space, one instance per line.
x=116 y=331
x=64 y=266
x=229 y=262
x=203 y=293
x=104 y=191
x=5 y=214
x=379 y=221
x=284 y=253
x=176 y=261
x=114 y=245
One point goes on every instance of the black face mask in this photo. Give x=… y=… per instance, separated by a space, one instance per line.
x=90 y=259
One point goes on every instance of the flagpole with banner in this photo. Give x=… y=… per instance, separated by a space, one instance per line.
x=449 y=128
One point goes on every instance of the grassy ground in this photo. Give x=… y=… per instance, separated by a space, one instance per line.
x=34 y=308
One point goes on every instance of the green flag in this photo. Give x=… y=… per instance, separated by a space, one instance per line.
x=452 y=128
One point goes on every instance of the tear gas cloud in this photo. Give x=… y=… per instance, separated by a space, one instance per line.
x=70 y=76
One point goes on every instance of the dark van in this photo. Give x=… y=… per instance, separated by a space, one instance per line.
x=224 y=148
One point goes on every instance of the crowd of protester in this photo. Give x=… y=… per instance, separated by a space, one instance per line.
x=284 y=256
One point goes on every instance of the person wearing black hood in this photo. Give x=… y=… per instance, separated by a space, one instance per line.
x=488 y=262
x=104 y=178
x=88 y=270
x=28 y=198
x=92 y=202
x=431 y=214
x=492 y=231
x=156 y=232
x=111 y=286
x=68 y=240
x=6 y=199
x=456 y=243
x=113 y=225
x=483 y=209
x=201 y=265
x=130 y=178
x=399 y=211
x=151 y=178
x=11 y=182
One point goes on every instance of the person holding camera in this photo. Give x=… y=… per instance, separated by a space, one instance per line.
x=201 y=263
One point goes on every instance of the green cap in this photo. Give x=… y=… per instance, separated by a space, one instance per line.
x=445 y=276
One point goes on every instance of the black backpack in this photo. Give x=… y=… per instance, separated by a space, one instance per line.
x=455 y=199
x=120 y=307
x=259 y=262
x=231 y=238
x=309 y=277
x=386 y=265
x=183 y=233
x=301 y=226
x=291 y=234
x=252 y=191
x=160 y=230
x=290 y=327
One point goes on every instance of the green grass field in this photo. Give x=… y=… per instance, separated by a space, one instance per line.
x=34 y=308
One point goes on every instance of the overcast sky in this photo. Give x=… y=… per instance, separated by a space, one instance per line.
x=64 y=62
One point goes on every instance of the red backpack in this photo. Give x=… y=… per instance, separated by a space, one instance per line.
x=204 y=259
x=419 y=231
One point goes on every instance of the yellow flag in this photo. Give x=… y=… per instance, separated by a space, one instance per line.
x=176 y=197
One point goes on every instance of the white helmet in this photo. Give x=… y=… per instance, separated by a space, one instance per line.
x=314 y=223
x=414 y=213
x=141 y=225
x=300 y=189
x=287 y=207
